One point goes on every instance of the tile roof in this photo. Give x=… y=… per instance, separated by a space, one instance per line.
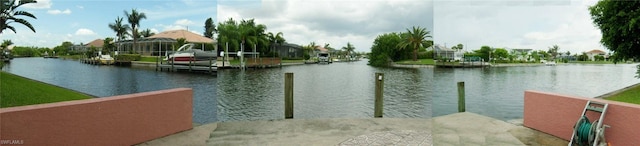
x=190 y=36
x=95 y=43
x=596 y=51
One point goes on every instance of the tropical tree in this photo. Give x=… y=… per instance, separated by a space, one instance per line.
x=276 y=39
x=348 y=49
x=385 y=49
x=500 y=54
x=10 y=14
x=618 y=23
x=108 y=45
x=457 y=47
x=146 y=33
x=120 y=29
x=524 y=55
x=209 y=28
x=238 y=35
x=309 y=49
x=6 y=44
x=179 y=43
x=415 y=39
x=553 y=51
x=134 y=20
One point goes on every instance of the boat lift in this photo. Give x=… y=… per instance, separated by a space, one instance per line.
x=590 y=134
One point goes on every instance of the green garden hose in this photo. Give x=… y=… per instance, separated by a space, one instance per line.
x=583 y=129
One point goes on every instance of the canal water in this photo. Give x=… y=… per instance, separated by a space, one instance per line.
x=499 y=91
x=103 y=81
x=338 y=90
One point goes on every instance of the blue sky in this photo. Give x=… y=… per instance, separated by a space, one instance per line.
x=81 y=21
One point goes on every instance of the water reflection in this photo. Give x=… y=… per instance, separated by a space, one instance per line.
x=105 y=81
x=337 y=90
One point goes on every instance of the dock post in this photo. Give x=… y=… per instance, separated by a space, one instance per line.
x=461 y=102
x=173 y=61
x=190 y=59
x=288 y=95
x=211 y=64
x=378 y=95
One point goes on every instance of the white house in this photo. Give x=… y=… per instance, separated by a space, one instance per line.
x=446 y=53
x=593 y=53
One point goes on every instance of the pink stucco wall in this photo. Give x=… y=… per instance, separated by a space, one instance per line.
x=557 y=114
x=118 y=120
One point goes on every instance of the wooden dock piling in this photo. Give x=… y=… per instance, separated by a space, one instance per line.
x=379 y=79
x=288 y=95
x=461 y=102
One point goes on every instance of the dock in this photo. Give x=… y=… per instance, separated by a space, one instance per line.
x=188 y=68
x=462 y=64
x=454 y=129
x=254 y=63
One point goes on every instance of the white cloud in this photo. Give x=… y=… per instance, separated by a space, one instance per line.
x=40 y=4
x=154 y=30
x=56 y=12
x=333 y=22
x=502 y=24
x=184 y=22
x=80 y=7
x=84 y=31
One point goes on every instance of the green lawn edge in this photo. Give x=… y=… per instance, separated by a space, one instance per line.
x=631 y=95
x=19 y=91
x=418 y=62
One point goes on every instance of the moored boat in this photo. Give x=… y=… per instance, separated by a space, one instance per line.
x=187 y=55
x=106 y=59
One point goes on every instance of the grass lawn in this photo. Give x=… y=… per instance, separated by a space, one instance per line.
x=149 y=58
x=418 y=62
x=293 y=61
x=73 y=57
x=18 y=91
x=631 y=95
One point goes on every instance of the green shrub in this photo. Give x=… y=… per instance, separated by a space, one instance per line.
x=128 y=57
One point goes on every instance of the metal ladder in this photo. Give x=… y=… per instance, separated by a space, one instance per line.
x=596 y=129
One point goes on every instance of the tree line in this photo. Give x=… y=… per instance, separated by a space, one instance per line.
x=396 y=46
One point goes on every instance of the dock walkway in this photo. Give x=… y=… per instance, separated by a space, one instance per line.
x=455 y=129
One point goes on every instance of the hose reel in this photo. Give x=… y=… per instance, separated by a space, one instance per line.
x=587 y=133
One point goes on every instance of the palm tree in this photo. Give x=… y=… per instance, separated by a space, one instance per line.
x=348 y=49
x=5 y=44
x=108 y=45
x=146 y=33
x=251 y=34
x=120 y=29
x=309 y=48
x=276 y=39
x=415 y=39
x=9 y=15
x=134 y=20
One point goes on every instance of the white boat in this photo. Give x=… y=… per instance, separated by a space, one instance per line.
x=324 y=57
x=550 y=63
x=187 y=55
x=106 y=59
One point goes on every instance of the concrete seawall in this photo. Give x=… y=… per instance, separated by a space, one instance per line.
x=557 y=114
x=118 y=120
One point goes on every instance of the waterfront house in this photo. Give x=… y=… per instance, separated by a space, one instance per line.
x=288 y=50
x=159 y=43
x=593 y=53
x=446 y=53
x=81 y=48
x=522 y=54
